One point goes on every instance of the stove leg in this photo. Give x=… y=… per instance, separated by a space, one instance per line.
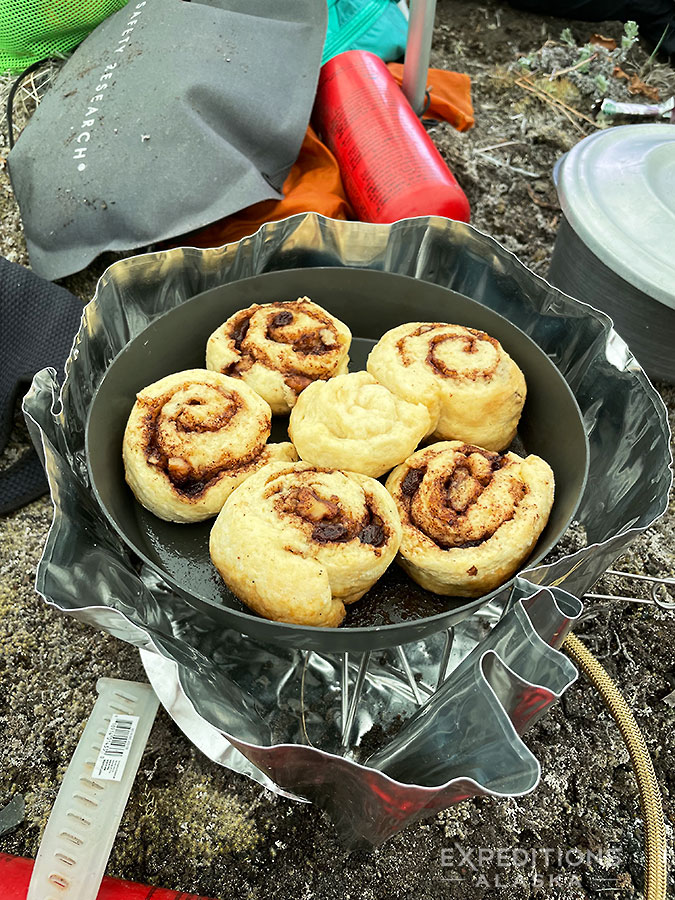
x=445 y=657
x=419 y=700
x=354 y=700
x=344 y=673
x=308 y=653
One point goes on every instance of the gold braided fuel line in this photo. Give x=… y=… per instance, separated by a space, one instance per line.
x=650 y=796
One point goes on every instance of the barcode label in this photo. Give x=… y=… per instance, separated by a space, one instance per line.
x=115 y=750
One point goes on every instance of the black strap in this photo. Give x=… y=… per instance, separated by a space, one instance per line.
x=38 y=321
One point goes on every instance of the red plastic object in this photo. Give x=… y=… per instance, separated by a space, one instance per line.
x=15 y=875
x=390 y=167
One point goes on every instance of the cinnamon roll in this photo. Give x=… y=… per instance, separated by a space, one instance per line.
x=470 y=517
x=296 y=542
x=191 y=439
x=352 y=422
x=280 y=348
x=472 y=388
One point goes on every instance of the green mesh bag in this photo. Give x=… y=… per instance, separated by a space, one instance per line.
x=32 y=30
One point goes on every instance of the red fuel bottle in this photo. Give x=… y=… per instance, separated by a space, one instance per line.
x=15 y=873
x=390 y=167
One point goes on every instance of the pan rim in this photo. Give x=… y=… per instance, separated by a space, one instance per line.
x=312 y=633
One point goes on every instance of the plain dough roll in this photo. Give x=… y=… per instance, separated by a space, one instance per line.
x=470 y=517
x=280 y=348
x=472 y=388
x=191 y=439
x=353 y=422
x=297 y=542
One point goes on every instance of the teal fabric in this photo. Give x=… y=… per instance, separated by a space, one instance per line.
x=375 y=25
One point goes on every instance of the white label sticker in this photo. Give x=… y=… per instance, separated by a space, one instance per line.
x=115 y=750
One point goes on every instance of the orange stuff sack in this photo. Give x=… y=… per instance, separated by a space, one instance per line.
x=449 y=96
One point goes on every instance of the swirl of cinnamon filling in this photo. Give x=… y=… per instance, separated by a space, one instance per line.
x=296 y=542
x=280 y=348
x=472 y=388
x=191 y=438
x=470 y=516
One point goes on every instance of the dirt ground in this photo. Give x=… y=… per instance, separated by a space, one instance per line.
x=193 y=826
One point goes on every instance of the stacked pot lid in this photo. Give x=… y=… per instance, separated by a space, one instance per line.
x=616 y=245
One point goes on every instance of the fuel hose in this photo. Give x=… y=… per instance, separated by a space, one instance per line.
x=656 y=877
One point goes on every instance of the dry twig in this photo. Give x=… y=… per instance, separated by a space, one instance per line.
x=506 y=165
x=582 y=62
x=527 y=85
x=499 y=145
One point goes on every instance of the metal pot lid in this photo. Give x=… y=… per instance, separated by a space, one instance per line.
x=617 y=191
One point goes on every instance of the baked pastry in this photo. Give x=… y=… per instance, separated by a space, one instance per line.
x=296 y=542
x=191 y=439
x=470 y=517
x=353 y=422
x=280 y=348
x=472 y=388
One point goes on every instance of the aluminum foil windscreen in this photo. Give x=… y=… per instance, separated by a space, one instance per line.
x=277 y=715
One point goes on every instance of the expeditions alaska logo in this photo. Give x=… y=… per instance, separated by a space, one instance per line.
x=84 y=136
x=492 y=867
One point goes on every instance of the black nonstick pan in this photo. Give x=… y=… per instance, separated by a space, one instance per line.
x=396 y=610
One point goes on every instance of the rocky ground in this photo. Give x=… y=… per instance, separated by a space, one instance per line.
x=193 y=826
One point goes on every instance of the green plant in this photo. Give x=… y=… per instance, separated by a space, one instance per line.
x=656 y=49
x=567 y=38
x=629 y=36
x=584 y=53
x=601 y=83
